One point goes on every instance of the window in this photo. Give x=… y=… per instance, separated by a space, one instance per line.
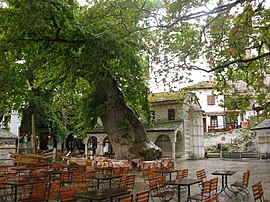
x=214 y=121
x=210 y=99
x=171 y=114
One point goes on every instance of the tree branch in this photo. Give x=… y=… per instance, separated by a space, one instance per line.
x=239 y=61
x=58 y=40
x=191 y=16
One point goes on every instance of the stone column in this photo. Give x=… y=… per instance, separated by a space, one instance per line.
x=173 y=140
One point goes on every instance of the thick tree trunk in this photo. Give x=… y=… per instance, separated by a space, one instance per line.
x=125 y=131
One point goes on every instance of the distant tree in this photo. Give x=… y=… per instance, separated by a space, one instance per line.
x=232 y=36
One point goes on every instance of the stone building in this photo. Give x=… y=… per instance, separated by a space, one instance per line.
x=7 y=146
x=263 y=133
x=177 y=128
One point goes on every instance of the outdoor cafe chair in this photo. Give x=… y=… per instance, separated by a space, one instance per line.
x=125 y=198
x=241 y=187
x=201 y=175
x=214 y=185
x=66 y=193
x=258 y=192
x=130 y=181
x=159 y=189
x=54 y=190
x=181 y=174
x=122 y=182
x=39 y=192
x=204 y=194
x=142 y=196
x=147 y=175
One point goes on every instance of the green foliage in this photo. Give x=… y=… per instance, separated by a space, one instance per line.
x=64 y=51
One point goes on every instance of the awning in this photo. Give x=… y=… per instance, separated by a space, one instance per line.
x=215 y=113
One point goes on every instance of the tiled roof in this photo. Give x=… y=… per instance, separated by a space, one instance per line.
x=202 y=85
x=165 y=96
x=7 y=134
x=265 y=124
x=163 y=126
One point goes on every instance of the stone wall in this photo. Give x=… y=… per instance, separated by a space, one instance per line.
x=7 y=146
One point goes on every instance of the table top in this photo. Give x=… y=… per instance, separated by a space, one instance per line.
x=23 y=182
x=165 y=171
x=25 y=168
x=224 y=172
x=104 y=168
x=103 y=176
x=101 y=194
x=184 y=182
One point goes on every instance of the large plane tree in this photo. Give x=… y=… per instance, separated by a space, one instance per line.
x=91 y=61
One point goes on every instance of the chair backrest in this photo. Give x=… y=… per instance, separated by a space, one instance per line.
x=124 y=170
x=258 y=192
x=201 y=175
x=170 y=165
x=130 y=181
x=66 y=193
x=161 y=181
x=213 y=198
x=245 y=180
x=153 y=184
x=214 y=185
x=181 y=174
x=206 y=188
x=143 y=196
x=122 y=182
x=54 y=189
x=117 y=170
x=40 y=191
x=125 y=198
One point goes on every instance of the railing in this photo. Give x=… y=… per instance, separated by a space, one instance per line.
x=216 y=129
x=239 y=155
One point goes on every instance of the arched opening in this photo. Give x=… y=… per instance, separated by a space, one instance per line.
x=92 y=145
x=179 y=145
x=164 y=142
x=107 y=147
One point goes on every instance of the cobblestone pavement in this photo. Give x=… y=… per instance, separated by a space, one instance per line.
x=259 y=171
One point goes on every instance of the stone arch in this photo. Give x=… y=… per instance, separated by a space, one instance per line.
x=164 y=142
x=92 y=144
x=107 y=147
x=180 y=145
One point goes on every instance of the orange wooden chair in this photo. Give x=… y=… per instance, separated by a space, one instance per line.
x=130 y=181
x=66 y=193
x=125 y=198
x=241 y=187
x=204 y=194
x=124 y=170
x=258 y=192
x=122 y=182
x=142 y=196
x=158 y=189
x=181 y=174
x=214 y=185
x=201 y=175
x=39 y=192
x=54 y=190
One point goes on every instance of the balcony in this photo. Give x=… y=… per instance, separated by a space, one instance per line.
x=217 y=129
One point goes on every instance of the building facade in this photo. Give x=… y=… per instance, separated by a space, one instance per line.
x=177 y=128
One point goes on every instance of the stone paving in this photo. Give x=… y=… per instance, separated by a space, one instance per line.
x=259 y=171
